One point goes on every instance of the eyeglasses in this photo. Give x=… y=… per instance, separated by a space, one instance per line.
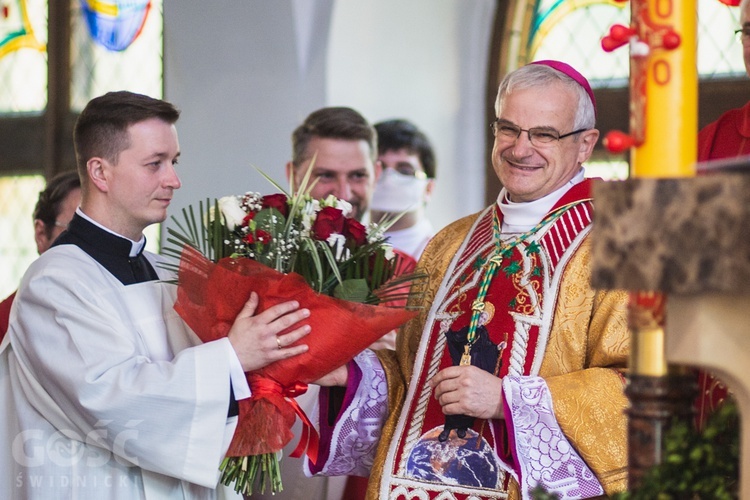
x=538 y=136
x=743 y=34
x=60 y=224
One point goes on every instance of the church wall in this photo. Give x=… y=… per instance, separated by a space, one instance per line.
x=245 y=73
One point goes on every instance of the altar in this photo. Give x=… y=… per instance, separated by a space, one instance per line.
x=689 y=240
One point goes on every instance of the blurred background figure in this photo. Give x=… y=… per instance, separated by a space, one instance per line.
x=406 y=184
x=729 y=136
x=343 y=145
x=52 y=213
x=340 y=146
x=404 y=187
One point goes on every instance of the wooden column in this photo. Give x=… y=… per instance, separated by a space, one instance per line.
x=654 y=403
x=57 y=130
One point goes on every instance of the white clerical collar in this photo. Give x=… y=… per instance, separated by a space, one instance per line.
x=521 y=217
x=136 y=246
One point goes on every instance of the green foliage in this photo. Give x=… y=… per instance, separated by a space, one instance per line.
x=697 y=465
x=355 y=290
x=205 y=233
x=512 y=268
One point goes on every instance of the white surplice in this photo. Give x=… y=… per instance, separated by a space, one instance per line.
x=106 y=392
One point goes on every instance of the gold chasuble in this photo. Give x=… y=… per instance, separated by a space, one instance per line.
x=536 y=319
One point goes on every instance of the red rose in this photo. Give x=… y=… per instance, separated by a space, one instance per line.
x=277 y=201
x=328 y=221
x=355 y=231
x=259 y=236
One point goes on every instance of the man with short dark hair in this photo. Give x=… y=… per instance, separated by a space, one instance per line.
x=108 y=394
x=341 y=146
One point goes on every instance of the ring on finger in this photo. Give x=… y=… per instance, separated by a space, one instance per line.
x=278 y=342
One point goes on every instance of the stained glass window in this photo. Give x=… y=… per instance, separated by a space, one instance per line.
x=23 y=56
x=116 y=49
x=719 y=51
x=571 y=30
x=115 y=45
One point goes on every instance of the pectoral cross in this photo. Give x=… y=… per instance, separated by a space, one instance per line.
x=465 y=357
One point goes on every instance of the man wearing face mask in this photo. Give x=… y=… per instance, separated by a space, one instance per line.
x=406 y=184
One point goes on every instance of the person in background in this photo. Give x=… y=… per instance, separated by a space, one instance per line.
x=53 y=211
x=729 y=136
x=405 y=187
x=341 y=146
x=107 y=393
x=512 y=376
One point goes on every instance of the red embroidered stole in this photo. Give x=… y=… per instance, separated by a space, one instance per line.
x=523 y=293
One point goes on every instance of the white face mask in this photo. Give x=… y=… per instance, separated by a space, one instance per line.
x=396 y=193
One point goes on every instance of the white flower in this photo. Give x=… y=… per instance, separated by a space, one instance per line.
x=307 y=222
x=232 y=211
x=332 y=201
x=389 y=253
x=374 y=232
x=337 y=242
x=311 y=207
x=328 y=201
x=344 y=206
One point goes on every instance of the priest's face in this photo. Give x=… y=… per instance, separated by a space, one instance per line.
x=530 y=171
x=343 y=168
x=139 y=186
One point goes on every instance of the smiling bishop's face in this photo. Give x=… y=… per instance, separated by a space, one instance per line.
x=531 y=172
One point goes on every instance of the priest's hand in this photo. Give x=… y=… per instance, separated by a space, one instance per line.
x=337 y=378
x=255 y=338
x=468 y=390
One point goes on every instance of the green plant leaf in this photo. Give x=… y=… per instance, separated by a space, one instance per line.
x=353 y=290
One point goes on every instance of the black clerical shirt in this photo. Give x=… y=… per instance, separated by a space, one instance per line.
x=113 y=253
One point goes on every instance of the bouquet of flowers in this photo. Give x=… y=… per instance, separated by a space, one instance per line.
x=286 y=247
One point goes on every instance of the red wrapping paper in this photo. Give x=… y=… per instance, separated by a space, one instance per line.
x=209 y=297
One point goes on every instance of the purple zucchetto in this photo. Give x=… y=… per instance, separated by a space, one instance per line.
x=570 y=71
